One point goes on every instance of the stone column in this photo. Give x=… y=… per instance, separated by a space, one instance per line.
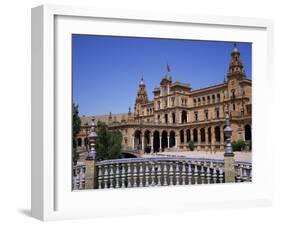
x=160 y=143
x=222 y=135
x=133 y=143
x=152 y=141
x=176 y=140
x=213 y=138
x=206 y=136
x=191 y=135
x=142 y=142
x=199 y=136
x=168 y=141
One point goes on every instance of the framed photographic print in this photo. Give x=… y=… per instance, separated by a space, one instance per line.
x=136 y=113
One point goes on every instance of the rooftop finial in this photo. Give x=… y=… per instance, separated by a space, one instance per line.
x=168 y=68
x=235 y=49
x=142 y=81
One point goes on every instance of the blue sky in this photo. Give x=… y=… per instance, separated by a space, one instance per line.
x=107 y=69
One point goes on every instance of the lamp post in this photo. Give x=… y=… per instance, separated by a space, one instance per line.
x=228 y=133
x=229 y=169
x=91 y=169
x=92 y=142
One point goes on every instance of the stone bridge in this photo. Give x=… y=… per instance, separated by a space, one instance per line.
x=157 y=171
x=130 y=153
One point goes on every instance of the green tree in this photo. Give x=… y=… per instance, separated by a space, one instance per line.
x=76 y=126
x=191 y=145
x=108 y=143
x=238 y=145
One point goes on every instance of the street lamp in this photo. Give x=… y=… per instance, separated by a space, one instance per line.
x=228 y=133
x=92 y=141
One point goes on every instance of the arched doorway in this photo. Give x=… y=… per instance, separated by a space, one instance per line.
x=137 y=139
x=203 y=137
x=217 y=134
x=164 y=140
x=147 y=143
x=182 y=136
x=156 y=143
x=172 y=139
x=248 y=132
x=209 y=135
x=195 y=135
x=188 y=135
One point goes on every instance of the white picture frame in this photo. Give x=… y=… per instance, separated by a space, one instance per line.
x=52 y=197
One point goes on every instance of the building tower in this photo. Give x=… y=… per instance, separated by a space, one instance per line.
x=236 y=68
x=141 y=98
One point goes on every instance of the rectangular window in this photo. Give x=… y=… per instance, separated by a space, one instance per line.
x=196 y=116
x=206 y=115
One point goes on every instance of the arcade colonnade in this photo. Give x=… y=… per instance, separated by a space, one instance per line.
x=204 y=138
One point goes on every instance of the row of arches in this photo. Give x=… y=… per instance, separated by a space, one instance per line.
x=81 y=142
x=203 y=134
x=154 y=141
x=214 y=98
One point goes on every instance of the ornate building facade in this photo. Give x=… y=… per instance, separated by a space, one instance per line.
x=178 y=115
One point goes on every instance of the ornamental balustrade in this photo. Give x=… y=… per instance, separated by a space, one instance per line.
x=78 y=176
x=160 y=171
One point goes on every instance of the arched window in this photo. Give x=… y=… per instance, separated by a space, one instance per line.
x=218 y=97
x=213 y=98
x=208 y=99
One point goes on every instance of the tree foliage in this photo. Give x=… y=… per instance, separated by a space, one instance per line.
x=238 y=145
x=76 y=126
x=108 y=143
x=191 y=145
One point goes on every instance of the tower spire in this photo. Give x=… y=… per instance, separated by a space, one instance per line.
x=142 y=94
